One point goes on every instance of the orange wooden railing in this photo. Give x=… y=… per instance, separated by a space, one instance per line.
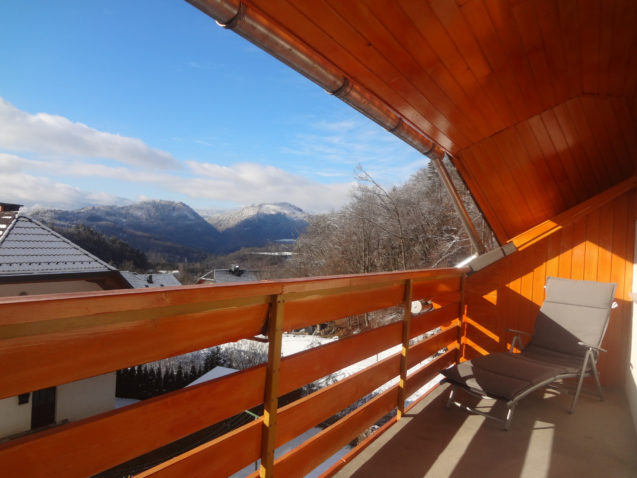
x=54 y=339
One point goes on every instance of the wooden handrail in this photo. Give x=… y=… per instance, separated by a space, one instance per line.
x=117 y=329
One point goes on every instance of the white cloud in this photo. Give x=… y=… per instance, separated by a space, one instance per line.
x=25 y=181
x=251 y=183
x=35 y=191
x=55 y=135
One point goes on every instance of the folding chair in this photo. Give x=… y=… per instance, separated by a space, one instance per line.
x=565 y=343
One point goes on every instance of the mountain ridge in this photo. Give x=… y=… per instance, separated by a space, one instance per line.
x=178 y=232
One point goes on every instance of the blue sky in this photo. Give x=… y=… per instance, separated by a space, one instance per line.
x=105 y=102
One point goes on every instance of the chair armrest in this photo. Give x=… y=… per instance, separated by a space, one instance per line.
x=517 y=338
x=519 y=332
x=599 y=349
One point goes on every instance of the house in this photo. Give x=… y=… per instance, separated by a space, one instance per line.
x=232 y=274
x=535 y=105
x=36 y=260
x=149 y=280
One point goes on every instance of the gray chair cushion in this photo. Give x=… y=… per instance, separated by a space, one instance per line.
x=573 y=311
x=502 y=375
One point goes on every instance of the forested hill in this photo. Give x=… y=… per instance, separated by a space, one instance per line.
x=109 y=249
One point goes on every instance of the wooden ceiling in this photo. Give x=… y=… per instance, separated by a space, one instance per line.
x=534 y=99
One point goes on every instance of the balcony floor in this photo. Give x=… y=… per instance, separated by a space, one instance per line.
x=544 y=440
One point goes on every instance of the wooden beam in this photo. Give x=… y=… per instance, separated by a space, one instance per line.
x=405 y=348
x=271 y=401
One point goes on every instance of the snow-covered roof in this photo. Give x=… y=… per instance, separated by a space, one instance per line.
x=141 y=281
x=28 y=247
x=230 y=275
x=212 y=374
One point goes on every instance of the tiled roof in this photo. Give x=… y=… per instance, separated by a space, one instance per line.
x=140 y=281
x=28 y=247
x=228 y=275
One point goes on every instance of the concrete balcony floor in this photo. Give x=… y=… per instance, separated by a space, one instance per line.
x=598 y=440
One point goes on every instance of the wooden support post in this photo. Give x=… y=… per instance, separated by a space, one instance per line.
x=271 y=400
x=405 y=349
x=461 y=328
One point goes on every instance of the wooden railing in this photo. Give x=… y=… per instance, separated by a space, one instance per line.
x=54 y=339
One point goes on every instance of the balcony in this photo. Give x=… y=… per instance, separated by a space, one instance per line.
x=55 y=339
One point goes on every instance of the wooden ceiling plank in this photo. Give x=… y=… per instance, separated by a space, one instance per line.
x=630 y=77
x=569 y=24
x=625 y=18
x=525 y=181
x=418 y=86
x=616 y=138
x=573 y=173
x=472 y=160
x=445 y=87
x=460 y=163
x=552 y=191
x=305 y=26
x=628 y=127
x=477 y=17
x=497 y=160
x=504 y=23
x=596 y=118
x=437 y=37
x=548 y=149
x=457 y=30
x=337 y=25
x=526 y=20
x=587 y=142
x=605 y=45
x=591 y=181
x=590 y=14
x=549 y=23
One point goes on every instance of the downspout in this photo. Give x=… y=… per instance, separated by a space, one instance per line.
x=247 y=21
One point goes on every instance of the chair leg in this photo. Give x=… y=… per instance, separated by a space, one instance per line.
x=581 y=380
x=509 y=417
x=452 y=392
x=599 y=385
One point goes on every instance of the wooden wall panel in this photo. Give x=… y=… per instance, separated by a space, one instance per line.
x=541 y=167
x=598 y=246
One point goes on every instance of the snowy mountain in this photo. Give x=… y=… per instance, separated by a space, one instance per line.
x=227 y=219
x=170 y=228
x=256 y=225
x=178 y=232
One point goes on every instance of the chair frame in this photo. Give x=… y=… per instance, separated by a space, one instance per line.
x=587 y=368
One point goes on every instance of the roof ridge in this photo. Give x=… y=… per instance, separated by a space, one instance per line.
x=4 y=232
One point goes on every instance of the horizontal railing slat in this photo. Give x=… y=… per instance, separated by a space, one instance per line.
x=77 y=449
x=423 y=375
x=222 y=456
x=40 y=361
x=315 y=309
x=305 y=367
x=303 y=459
x=429 y=346
x=433 y=319
x=309 y=411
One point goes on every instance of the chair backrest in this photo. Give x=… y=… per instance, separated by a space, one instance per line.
x=573 y=311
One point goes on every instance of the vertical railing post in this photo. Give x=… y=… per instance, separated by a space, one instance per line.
x=402 y=385
x=461 y=327
x=271 y=399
